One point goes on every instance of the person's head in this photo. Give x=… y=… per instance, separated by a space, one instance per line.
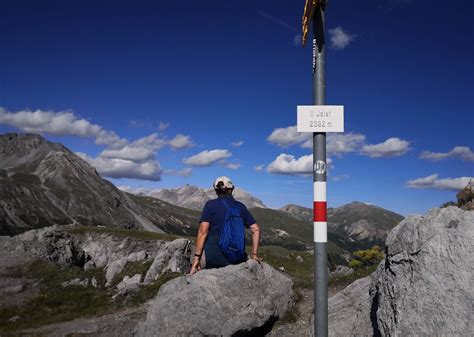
x=223 y=186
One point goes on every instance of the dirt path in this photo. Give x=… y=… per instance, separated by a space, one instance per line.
x=118 y=324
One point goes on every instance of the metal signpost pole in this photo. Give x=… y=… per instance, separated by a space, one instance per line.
x=319 y=180
x=319 y=119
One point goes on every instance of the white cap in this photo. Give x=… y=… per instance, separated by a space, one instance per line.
x=226 y=180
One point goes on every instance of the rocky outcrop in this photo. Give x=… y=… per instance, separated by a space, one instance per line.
x=465 y=197
x=422 y=288
x=425 y=284
x=59 y=244
x=238 y=299
x=173 y=257
x=52 y=244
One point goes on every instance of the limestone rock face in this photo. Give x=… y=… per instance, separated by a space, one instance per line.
x=236 y=299
x=53 y=244
x=174 y=256
x=425 y=285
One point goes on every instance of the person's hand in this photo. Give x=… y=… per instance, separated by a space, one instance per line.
x=255 y=257
x=195 y=267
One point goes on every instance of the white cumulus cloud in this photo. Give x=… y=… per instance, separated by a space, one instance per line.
x=232 y=166
x=462 y=152
x=392 y=147
x=339 y=38
x=133 y=153
x=290 y=165
x=339 y=143
x=207 y=157
x=163 y=126
x=284 y=137
x=121 y=168
x=259 y=168
x=238 y=143
x=433 y=182
x=61 y=123
x=180 y=142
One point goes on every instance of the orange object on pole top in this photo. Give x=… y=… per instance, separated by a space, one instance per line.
x=309 y=8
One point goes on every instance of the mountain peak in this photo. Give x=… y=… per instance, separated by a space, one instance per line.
x=194 y=197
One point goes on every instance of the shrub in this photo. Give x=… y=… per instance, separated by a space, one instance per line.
x=368 y=257
x=355 y=263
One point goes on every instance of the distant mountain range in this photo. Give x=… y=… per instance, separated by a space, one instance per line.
x=355 y=222
x=195 y=197
x=44 y=183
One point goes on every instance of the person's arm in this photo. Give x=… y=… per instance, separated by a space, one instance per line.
x=201 y=239
x=255 y=229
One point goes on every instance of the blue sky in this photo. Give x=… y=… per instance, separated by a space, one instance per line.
x=154 y=94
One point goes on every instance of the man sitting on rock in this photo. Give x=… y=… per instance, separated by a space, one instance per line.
x=221 y=236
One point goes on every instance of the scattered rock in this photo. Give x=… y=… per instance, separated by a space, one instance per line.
x=94 y=282
x=282 y=269
x=113 y=269
x=89 y=265
x=129 y=284
x=238 y=299
x=341 y=271
x=14 y=318
x=299 y=259
x=16 y=288
x=174 y=256
x=76 y=282
x=117 y=266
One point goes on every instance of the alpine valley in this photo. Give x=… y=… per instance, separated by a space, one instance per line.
x=44 y=183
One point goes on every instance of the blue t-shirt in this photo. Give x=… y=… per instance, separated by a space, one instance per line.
x=214 y=212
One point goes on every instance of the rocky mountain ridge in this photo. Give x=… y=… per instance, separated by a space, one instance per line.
x=354 y=222
x=194 y=197
x=44 y=183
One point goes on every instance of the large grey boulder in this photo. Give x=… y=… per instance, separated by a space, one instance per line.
x=220 y=302
x=425 y=285
x=351 y=307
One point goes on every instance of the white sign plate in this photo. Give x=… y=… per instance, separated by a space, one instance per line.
x=320 y=118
